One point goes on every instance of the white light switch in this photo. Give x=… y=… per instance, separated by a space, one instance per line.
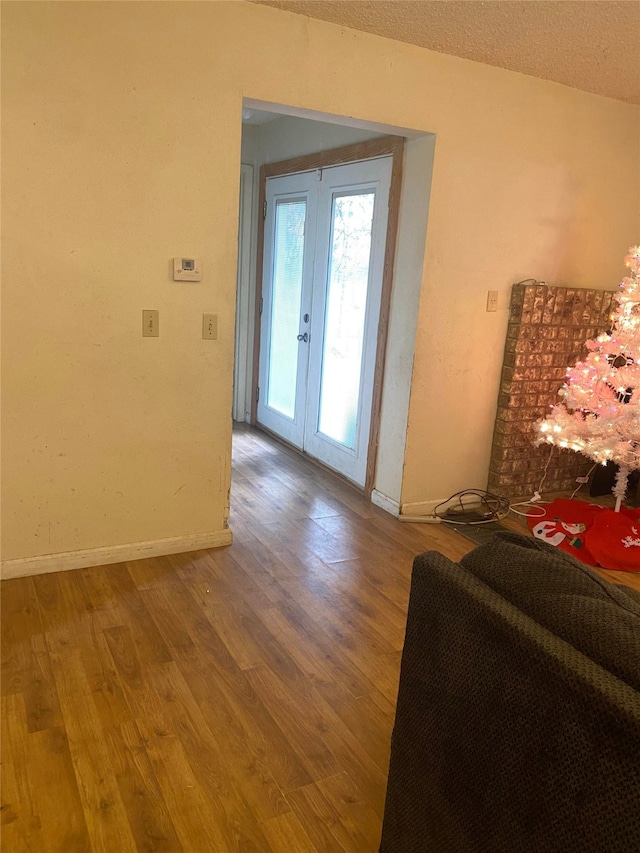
x=209 y=327
x=150 y=324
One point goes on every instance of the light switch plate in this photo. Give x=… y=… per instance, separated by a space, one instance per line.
x=209 y=327
x=150 y=324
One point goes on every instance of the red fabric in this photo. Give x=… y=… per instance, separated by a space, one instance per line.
x=564 y=524
x=614 y=540
x=594 y=534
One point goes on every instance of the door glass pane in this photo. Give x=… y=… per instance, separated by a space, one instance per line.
x=348 y=278
x=285 y=306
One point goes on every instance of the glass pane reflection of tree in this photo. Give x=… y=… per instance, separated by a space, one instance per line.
x=348 y=279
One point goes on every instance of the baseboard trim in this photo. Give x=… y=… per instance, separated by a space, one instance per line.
x=68 y=560
x=385 y=503
x=419 y=508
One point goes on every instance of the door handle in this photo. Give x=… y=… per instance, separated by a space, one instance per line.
x=304 y=337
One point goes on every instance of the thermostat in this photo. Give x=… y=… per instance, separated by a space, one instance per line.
x=187 y=269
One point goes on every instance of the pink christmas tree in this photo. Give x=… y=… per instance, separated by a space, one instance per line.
x=599 y=415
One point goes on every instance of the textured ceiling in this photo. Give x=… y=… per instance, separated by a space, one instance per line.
x=591 y=45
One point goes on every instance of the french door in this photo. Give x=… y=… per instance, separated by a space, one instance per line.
x=325 y=235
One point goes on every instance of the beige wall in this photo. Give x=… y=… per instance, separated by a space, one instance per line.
x=121 y=149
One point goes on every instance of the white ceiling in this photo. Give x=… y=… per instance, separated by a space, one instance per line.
x=591 y=45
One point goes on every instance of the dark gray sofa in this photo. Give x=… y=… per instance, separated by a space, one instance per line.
x=517 y=726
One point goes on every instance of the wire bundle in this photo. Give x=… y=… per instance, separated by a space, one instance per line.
x=472 y=502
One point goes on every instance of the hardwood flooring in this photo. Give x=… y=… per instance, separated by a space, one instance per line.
x=238 y=699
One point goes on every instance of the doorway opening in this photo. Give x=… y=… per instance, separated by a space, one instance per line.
x=318 y=258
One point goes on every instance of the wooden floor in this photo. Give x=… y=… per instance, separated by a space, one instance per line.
x=234 y=699
x=238 y=699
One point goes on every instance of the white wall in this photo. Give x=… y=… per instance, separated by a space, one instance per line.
x=403 y=321
x=289 y=137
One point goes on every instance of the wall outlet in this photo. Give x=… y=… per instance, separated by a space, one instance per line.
x=492 y=300
x=209 y=327
x=150 y=324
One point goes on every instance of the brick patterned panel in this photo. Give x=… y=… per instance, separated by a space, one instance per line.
x=548 y=327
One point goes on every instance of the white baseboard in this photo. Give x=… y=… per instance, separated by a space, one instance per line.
x=419 y=507
x=113 y=554
x=385 y=503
